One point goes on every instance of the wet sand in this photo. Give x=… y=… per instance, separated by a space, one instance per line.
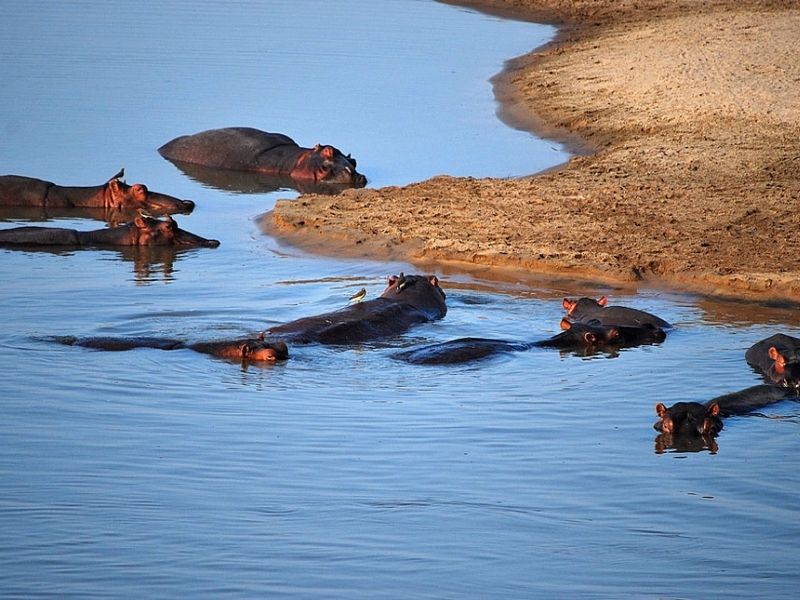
x=687 y=115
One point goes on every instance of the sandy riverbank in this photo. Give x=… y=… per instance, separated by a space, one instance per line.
x=691 y=113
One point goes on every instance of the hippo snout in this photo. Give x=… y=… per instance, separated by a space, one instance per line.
x=359 y=180
x=188 y=206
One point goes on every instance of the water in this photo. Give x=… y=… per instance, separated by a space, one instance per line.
x=341 y=473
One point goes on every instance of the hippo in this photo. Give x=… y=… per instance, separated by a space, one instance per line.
x=116 y=195
x=691 y=426
x=245 y=350
x=588 y=309
x=777 y=359
x=576 y=337
x=248 y=149
x=407 y=300
x=144 y=231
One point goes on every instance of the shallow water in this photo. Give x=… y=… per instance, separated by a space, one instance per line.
x=341 y=473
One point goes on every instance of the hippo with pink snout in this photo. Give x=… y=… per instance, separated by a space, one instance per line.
x=249 y=149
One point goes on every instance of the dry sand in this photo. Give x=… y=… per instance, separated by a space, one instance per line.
x=690 y=114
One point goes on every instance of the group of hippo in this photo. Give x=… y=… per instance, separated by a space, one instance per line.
x=588 y=326
x=236 y=149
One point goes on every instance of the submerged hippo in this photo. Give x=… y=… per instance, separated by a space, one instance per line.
x=248 y=149
x=144 y=231
x=693 y=425
x=575 y=337
x=587 y=310
x=116 y=195
x=777 y=358
x=407 y=300
x=245 y=350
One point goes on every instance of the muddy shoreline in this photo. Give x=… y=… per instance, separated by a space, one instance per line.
x=688 y=118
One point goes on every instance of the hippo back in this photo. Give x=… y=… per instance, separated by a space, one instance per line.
x=352 y=324
x=16 y=190
x=39 y=236
x=236 y=148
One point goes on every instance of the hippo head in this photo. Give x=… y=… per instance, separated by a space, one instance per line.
x=625 y=335
x=785 y=367
x=420 y=291
x=576 y=308
x=329 y=165
x=588 y=334
x=137 y=197
x=689 y=419
x=156 y=232
x=260 y=350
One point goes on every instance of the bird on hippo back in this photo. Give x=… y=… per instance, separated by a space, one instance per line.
x=114 y=194
x=408 y=300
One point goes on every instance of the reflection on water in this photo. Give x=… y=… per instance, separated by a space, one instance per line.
x=244 y=182
x=341 y=473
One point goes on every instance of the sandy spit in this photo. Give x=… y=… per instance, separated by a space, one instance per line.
x=688 y=113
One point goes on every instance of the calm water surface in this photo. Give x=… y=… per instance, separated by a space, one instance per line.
x=341 y=473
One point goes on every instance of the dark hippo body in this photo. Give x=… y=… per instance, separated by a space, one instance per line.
x=458 y=351
x=576 y=337
x=248 y=149
x=406 y=301
x=245 y=350
x=144 y=231
x=114 y=195
x=688 y=426
x=777 y=359
x=586 y=310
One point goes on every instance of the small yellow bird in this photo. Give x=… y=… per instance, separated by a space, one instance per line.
x=358 y=296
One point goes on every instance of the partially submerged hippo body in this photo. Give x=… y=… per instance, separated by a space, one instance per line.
x=576 y=337
x=586 y=310
x=777 y=358
x=407 y=300
x=144 y=231
x=244 y=350
x=114 y=195
x=248 y=149
x=688 y=426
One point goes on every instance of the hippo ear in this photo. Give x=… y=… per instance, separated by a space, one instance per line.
x=661 y=410
x=139 y=222
x=590 y=338
x=317 y=147
x=327 y=152
x=568 y=304
x=434 y=281
x=565 y=324
x=602 y=301
x=119 y=175
x=244 y=350
x=780 y=361
x=713 y=409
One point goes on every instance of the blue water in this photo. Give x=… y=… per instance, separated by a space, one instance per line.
x=340 y=473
